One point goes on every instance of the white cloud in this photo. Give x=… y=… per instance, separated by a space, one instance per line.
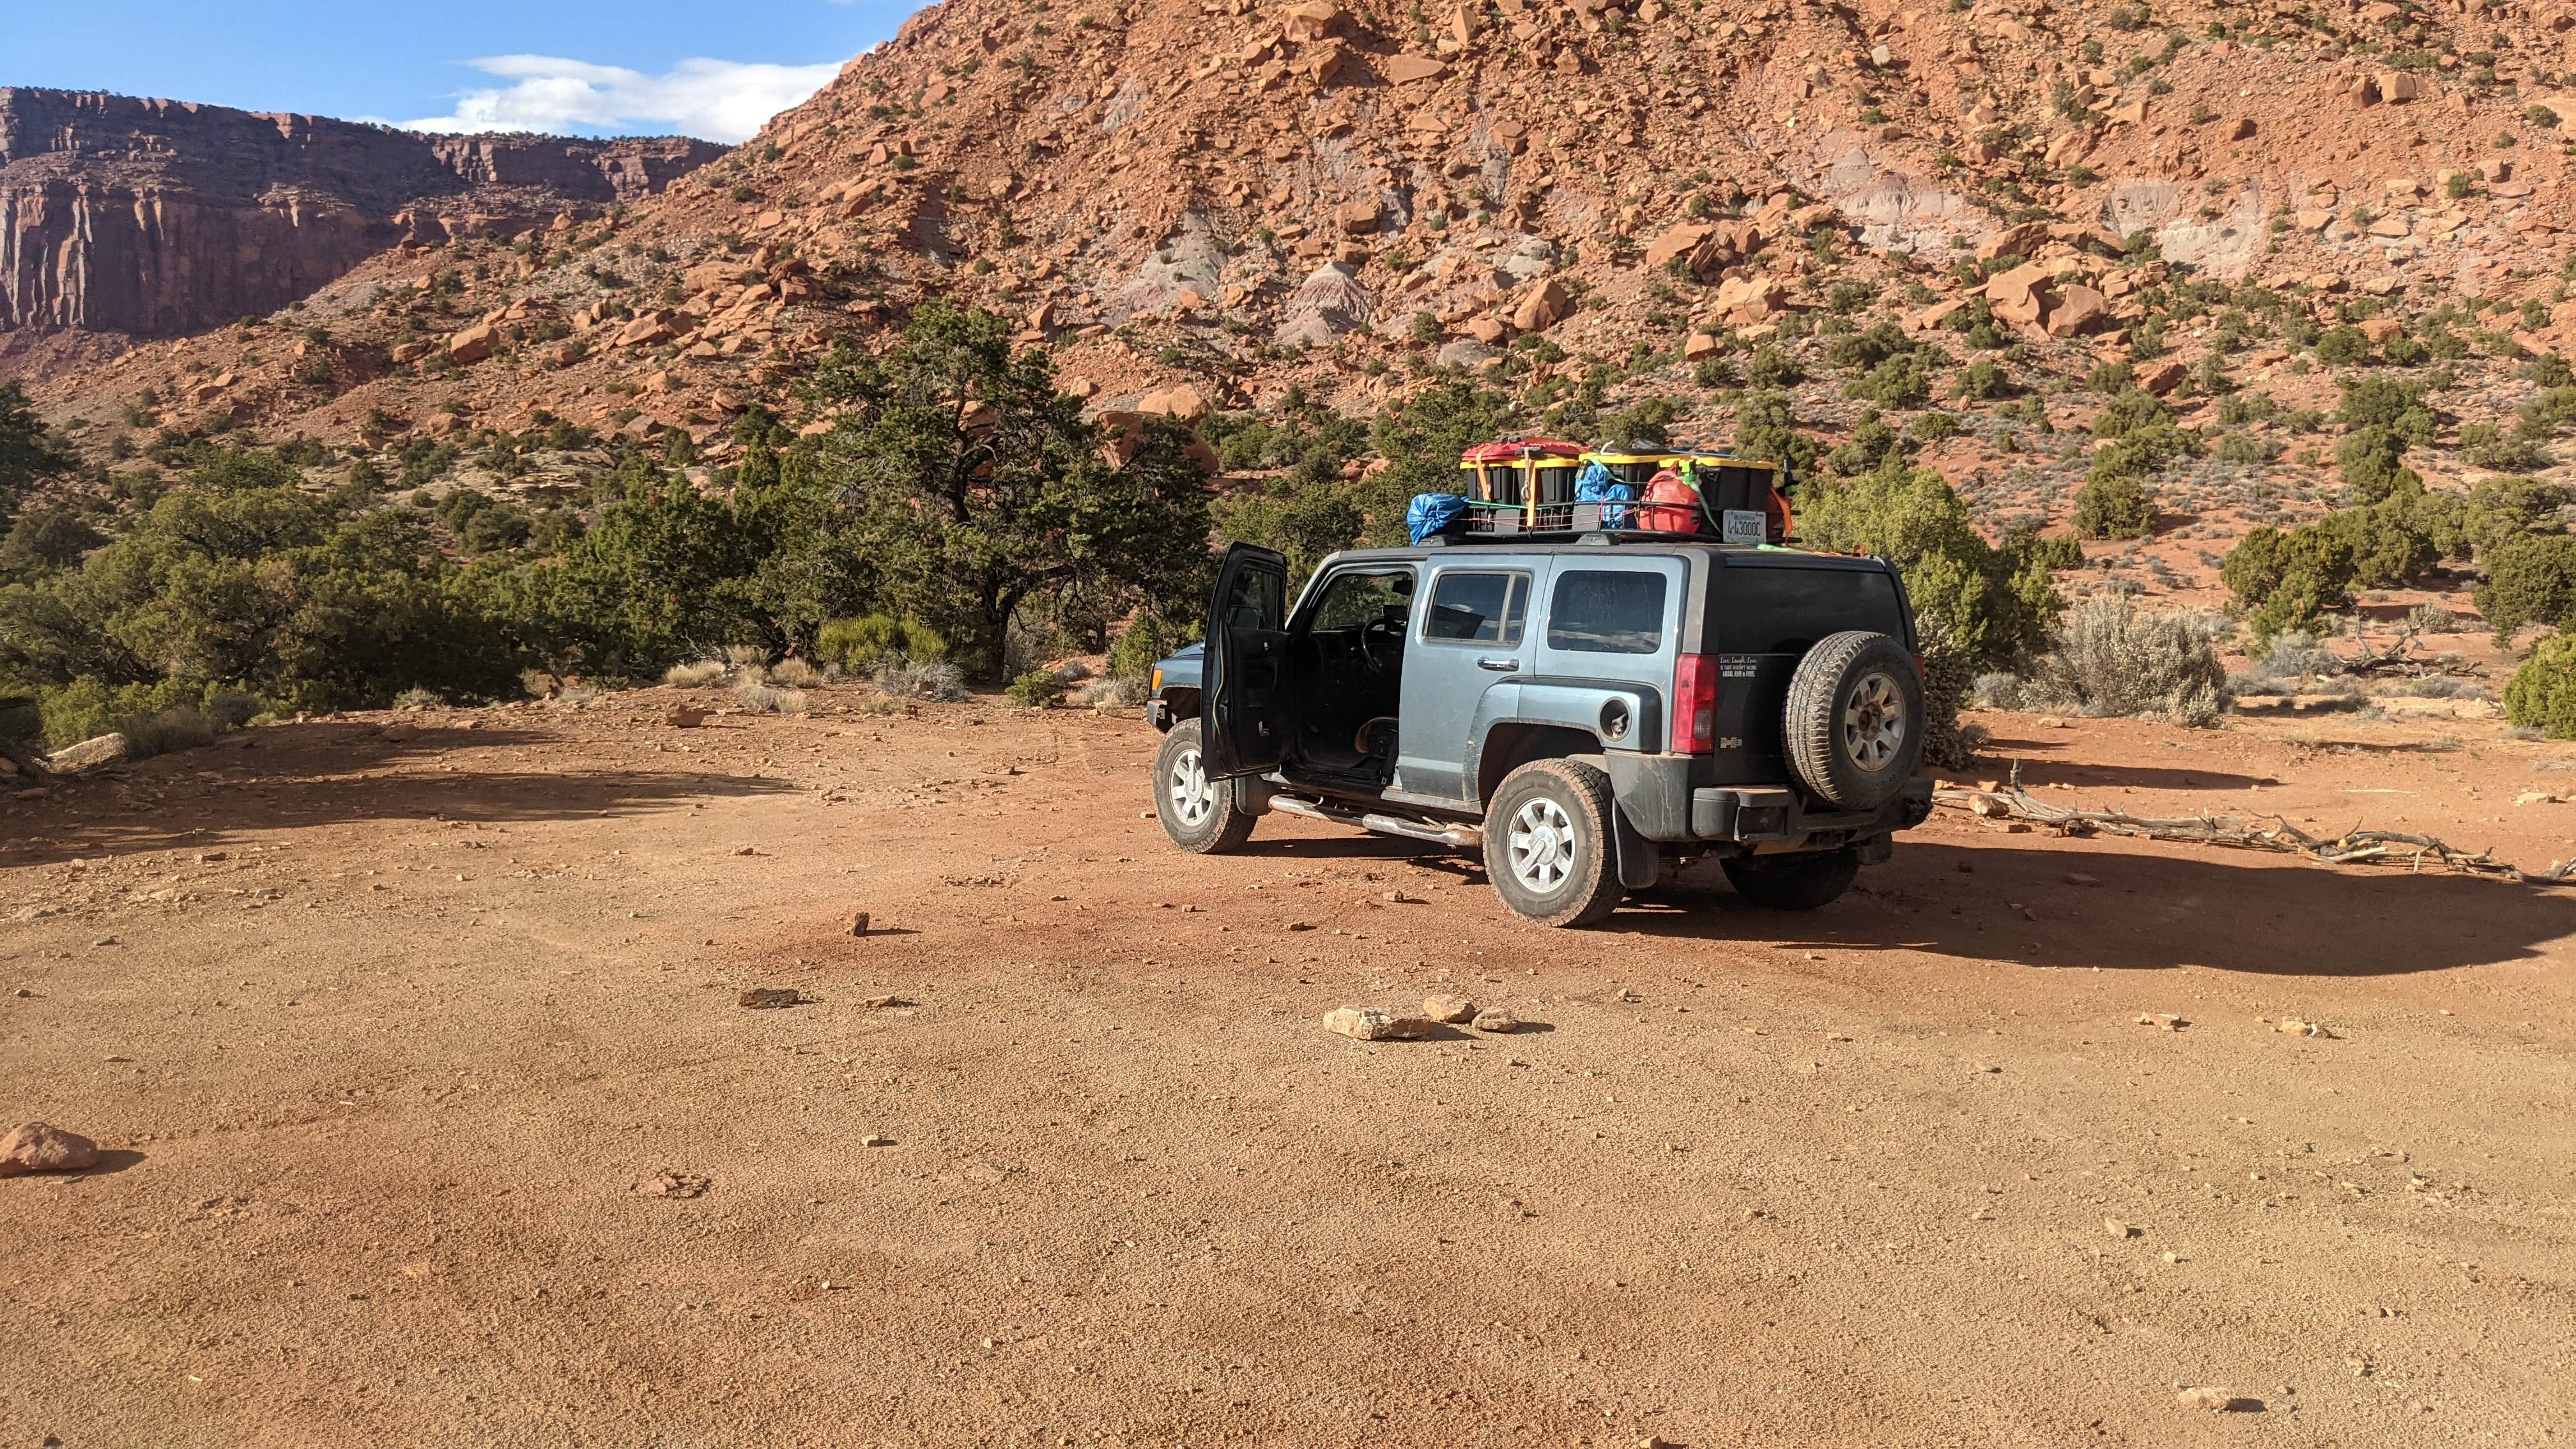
x=719 y=100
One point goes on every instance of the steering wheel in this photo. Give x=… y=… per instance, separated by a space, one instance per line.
x=1380 y=640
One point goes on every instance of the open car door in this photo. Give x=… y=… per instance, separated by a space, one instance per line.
x=1243 y=700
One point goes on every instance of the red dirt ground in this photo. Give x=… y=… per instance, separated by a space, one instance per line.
x=384 y=1033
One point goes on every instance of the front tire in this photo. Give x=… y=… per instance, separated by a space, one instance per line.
x=1794 y=882
x=1199 y=814
x=1548 y=842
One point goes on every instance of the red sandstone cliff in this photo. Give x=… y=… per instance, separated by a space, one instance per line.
x=153 y=217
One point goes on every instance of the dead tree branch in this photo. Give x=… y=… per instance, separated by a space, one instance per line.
x=2256 y=832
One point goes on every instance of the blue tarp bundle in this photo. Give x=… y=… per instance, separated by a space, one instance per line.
x=1597 y=486
x=1434 y=513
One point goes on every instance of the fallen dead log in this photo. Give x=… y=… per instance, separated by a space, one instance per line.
x=2249 y=832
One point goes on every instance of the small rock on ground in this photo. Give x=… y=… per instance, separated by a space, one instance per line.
x=1496 y=1018
x=767 y=998
x=1452 y=1009
x=2218 y=1401
x=43 y=1147
x=684 y=716
x=1367 y=1023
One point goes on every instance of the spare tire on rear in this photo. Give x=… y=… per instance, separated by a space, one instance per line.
x=1854 y=721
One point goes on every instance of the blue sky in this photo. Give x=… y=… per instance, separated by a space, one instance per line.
x=712 y=68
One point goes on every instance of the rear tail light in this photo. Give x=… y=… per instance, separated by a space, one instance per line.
x=1695 y=704
x=1777 y=505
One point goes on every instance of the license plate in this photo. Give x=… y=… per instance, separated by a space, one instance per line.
x=1742 y=525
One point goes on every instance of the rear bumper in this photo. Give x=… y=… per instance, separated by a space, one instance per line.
x=1778 y=819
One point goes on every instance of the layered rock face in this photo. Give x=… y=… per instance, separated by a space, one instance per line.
x=154 y=217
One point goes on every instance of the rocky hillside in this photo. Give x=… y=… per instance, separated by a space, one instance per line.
x=153 y=217
x=1588 y=204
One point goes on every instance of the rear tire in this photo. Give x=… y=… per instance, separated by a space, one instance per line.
x=1854 y=721
x=1199 y=814
x=1548 y=843
x=1794 y=882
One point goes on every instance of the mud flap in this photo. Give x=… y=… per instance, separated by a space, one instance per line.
x=1641 y=861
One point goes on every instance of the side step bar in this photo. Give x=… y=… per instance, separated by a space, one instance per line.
x=1457 y=837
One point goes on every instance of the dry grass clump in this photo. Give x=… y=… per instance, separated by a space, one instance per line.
x=762 y=698
x=795 y=674
x=697 y=674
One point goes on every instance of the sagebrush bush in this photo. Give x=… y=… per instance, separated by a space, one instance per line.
x=767 y=699
x=1111 y=691
x=2542 y=695
x=2108 y=657
x=937 y=679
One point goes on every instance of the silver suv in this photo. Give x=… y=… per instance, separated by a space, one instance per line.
x=1589 y=712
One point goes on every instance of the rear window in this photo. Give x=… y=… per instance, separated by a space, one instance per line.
x=1784 y=610
x=1604 y=612
x=1477 y=608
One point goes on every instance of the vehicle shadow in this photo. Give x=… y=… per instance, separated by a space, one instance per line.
x=206 y=798
x=2230 y=911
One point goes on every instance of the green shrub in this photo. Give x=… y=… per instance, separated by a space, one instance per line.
x=2485 y=445
x=1146 y=643
x=2378 y=402
x=1766 y=429
x=2343 y=346
x=2114 y=504
x=154 y=718
x=2542 y=695
x=870 y=642
x=44 y=539
x=1038 y=689
x=2288 y=579
x=2531 y=579
x=2368 y=457
x=2502 y=509
x=1773 y=368
x=1898 y=382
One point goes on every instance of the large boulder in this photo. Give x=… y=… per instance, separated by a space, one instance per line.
x=1312 y=21
x=474 y=343
x=1748 y=301
x=1546 y=305
x=2077 y=310
x=89 y=754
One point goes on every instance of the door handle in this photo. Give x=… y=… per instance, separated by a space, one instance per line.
x=1499 y=666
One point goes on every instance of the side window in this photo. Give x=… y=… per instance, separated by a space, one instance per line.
x=1353 y=600
x=1468 y=608
x=1257 y=602
x=1598 y=611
